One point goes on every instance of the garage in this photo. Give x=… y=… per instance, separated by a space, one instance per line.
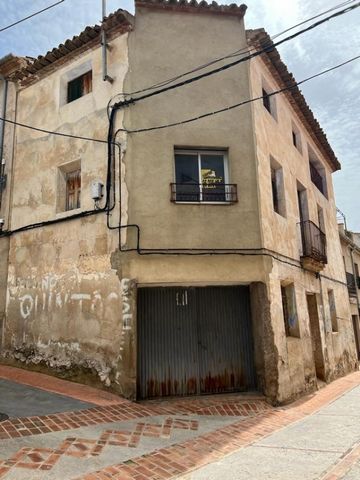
x=194 y=340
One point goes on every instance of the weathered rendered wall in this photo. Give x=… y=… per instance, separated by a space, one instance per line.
x=5 y=200
x=274 y=138
x=163 y=44
x=64 y=299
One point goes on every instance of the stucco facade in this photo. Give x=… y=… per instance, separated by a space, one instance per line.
x=350 y=246
x=71 y=286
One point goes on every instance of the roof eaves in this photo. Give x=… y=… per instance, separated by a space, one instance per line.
x=193 y=6
x=119 y=21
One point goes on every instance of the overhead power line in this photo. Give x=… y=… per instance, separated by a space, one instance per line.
x=268 y=48
x=30 y=16
x=229 y=55
x=240 y=104
x=51 y=132
x=189 y=120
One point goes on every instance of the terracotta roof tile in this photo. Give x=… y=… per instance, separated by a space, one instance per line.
x=120 y=19
x=193 y=6
x=258 y=38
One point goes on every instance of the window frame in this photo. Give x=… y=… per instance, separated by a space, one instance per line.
x=269 y=99
x=279 y=187
x=63 y=171
x=79 y=77
x=76 y=191
x=296 y=137
x=198 y=152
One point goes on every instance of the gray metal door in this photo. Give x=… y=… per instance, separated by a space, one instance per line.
x=194 y=340
x=225 y=340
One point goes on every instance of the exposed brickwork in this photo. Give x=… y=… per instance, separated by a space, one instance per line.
x=170 y=462
x=46 y=458
x=344 y=465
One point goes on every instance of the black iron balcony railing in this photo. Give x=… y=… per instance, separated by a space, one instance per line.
x=316 y=178
x=350 y=280
x=204 y=192
x=313 y=241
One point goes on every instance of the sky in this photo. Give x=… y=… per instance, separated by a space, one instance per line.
x=334 y=98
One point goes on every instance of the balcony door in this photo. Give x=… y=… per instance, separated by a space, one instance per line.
x=303 y=215
x=201 y=176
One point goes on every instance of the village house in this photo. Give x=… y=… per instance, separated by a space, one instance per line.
x=198 y=258
x=350 y=246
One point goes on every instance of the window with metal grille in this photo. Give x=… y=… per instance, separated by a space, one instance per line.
x=79 y=87
x=73 y=189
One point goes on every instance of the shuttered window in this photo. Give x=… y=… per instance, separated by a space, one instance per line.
x=79 y=87
x=73 y=189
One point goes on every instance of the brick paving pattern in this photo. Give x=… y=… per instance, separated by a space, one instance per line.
x=251 y=419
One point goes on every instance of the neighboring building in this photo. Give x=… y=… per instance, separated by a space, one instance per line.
x=221 y=272
x=350 y=245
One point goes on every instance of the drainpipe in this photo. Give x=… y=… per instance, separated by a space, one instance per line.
x=2 y=126
x=104 y=46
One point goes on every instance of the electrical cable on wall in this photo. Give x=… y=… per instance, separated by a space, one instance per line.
x=240 y=104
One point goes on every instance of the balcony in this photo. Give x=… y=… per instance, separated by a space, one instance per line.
x=313 y=242
x=204 y=193
x=351 y=284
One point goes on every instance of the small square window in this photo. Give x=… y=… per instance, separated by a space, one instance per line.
x=69 y=187
x=79 y=87
x=291 y=321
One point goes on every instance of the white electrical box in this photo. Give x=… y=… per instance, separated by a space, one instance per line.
x=97 y=190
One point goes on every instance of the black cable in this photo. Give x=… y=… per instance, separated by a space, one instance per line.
x=30 y=16
x=51 y=132
x=240 y=104
x=268 y=49
x=230 y=55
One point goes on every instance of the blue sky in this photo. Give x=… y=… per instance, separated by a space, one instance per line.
x=333 y=98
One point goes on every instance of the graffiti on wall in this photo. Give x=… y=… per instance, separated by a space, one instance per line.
x=51 y=294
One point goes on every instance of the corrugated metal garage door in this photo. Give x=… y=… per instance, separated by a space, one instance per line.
x=194 y=340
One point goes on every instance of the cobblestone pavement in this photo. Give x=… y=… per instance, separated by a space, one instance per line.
x=218 y=437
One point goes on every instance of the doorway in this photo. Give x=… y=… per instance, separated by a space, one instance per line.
x=314 y=322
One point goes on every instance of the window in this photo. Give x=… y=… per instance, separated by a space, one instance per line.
x=321 y=220
x=277 y=187
x=333 y=317
x=79 y=87
x=317 y=173
x=266 y=100
x=73 y=189
x=69 y=186
x=201 y=176
x=296 y=137
x=291 y=322
x=356 y=266
x=269 y=101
